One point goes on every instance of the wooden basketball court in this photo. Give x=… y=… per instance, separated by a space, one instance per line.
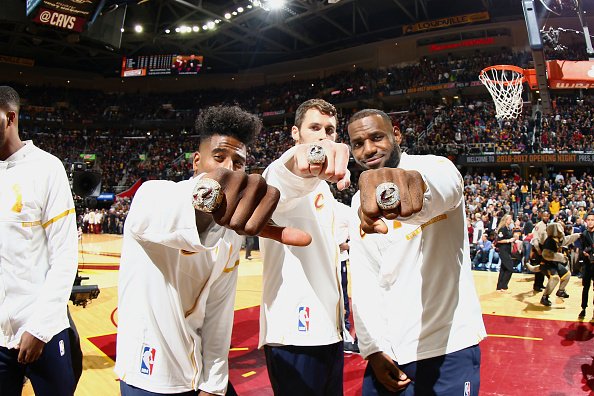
x=531 y=349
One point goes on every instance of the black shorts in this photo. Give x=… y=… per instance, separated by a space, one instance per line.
x=554 y=268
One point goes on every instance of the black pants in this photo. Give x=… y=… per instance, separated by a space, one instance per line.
x=345 y=294
x=51 y=375
x=306 y=370
x=250 y=244
x=538 y=276
x=538 y=281
x=505 y=271
x=75 y=350
x=586 y=280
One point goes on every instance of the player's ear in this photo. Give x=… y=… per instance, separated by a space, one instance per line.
x=196 y=160
x=295 y=133
x=397 y=135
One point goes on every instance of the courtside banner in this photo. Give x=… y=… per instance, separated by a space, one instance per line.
x=565 y=74
x=446 y=22
x=77 y=8
x=532 y=159
x=59 y=20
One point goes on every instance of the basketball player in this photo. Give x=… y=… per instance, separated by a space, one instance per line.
x=301 y=313
x=39 y=258
x=179 y=265
x=417 y=314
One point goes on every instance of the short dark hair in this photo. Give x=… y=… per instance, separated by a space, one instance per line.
x=370 y=112
x=9 y=98
x=227 y=121
x=320 y=104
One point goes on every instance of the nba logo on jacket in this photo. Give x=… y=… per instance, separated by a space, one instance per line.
x=467 y=388
x=148 y=359
x=303 y=324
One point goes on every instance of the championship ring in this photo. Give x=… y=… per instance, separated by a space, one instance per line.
x=316 y=155
x=387 y=196
x=207 y=195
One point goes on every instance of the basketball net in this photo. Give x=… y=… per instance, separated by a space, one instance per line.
x=505 y=83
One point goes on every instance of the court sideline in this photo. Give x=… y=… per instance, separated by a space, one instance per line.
x=527 y=341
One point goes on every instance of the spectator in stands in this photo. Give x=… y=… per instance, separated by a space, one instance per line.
x=484 y=253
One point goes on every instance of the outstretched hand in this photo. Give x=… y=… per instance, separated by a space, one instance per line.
x=334 y=169
x=247 y=207
x=411 y=189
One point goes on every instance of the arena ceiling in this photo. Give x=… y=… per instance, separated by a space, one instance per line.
x=255 y=37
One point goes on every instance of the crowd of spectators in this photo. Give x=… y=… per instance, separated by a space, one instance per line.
x=125 y=154
x=565 y=195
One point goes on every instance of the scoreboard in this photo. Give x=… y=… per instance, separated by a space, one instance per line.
x=161 y=65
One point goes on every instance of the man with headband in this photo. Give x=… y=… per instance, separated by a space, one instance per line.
x=417 y=314
x=180 y=254
x=301 y=320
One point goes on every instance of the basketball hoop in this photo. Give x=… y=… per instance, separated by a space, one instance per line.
x=505 y=83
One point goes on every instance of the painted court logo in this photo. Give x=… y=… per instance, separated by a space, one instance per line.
x=303 y=324
x=148 y=360
x=467 y=388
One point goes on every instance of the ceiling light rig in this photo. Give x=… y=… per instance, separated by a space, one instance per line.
x=210 y=25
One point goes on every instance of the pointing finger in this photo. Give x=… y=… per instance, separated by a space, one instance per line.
x=286 y=235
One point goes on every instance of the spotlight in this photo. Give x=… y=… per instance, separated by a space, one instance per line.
x=275 y=4
x=138 y=29
x=227 y=16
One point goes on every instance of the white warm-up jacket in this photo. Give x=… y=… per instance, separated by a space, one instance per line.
x=413 y=292
x=38 y=245
x=176 y=294
x=301 y=299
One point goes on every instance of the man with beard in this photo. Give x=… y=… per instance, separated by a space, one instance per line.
x=301 y=316
x=417 y=314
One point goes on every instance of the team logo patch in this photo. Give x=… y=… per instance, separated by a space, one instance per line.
x=303 y=324
x=467 y=388
x=148 y=359
x=62 y=348
x=319 y=201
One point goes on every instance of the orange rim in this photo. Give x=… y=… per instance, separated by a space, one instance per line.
x=511 y=68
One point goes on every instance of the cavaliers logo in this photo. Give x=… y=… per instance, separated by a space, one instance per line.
x=18 y=205
x=319 y=201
